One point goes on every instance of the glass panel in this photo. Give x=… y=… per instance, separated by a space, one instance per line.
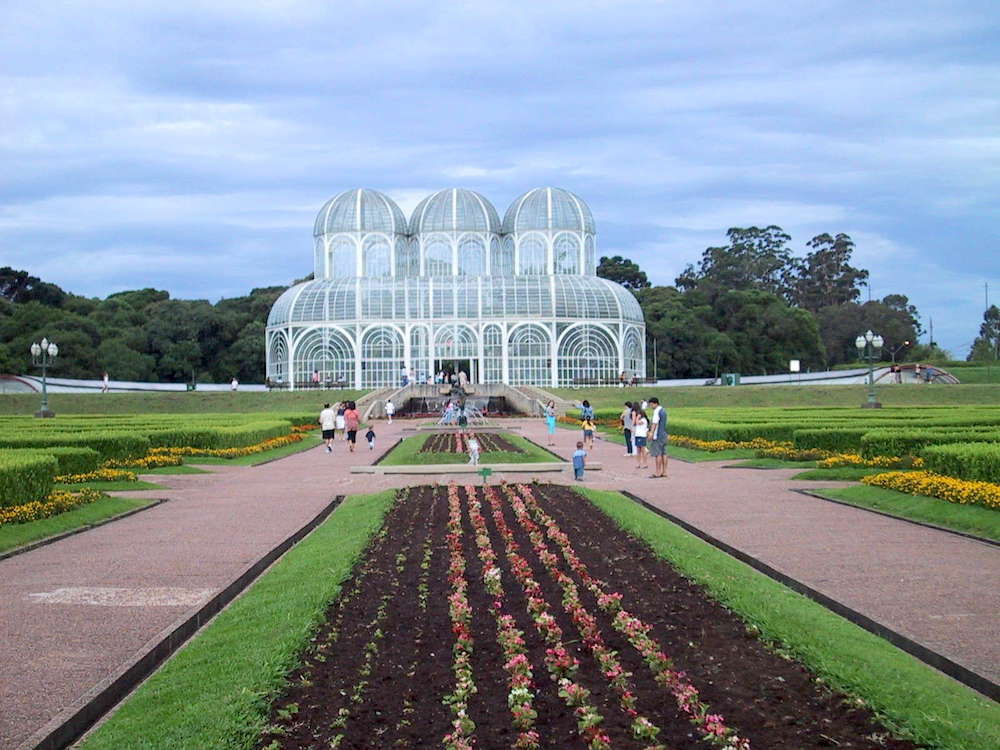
x=471 y=252
x=437 y=257
x=532 y=252
x=376 y=257
x=343 y=258
x=277 y=358
x=493 y=354
x=381 y=357
x=587 y=356
x=567 y=254
x=327 y=351
x=529 y=355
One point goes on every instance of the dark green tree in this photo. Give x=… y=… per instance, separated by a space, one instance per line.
x=825 y=277
x=623 y=271
x=986 y=347
x=755 y=258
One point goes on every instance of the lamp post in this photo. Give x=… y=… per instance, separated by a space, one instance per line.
x=867 y=344
x=42 y=355
x=894 y=351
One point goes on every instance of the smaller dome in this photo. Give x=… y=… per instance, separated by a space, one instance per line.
x=548 y=208
x=360 y=210
x=454 y=210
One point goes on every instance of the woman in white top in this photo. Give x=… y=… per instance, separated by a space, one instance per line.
x=640 y=431
x=390 y=409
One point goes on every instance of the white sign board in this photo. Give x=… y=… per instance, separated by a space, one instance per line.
x=793 y=365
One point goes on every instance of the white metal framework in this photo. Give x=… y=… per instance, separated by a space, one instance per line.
x=454 y=288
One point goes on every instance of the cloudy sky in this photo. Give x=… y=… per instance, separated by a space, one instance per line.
x=188 y=145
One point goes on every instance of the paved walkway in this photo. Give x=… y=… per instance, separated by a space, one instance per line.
x=78 y=610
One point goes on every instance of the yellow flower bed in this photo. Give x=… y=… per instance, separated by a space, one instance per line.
x=879 y=462
x=149 y=461
x=935 y=485
x=265 y=445
x=714 y=446
x=788 y=452
x=57 y=502
x=100 y=475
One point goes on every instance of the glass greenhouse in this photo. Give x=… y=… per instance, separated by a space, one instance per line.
x=455 y=289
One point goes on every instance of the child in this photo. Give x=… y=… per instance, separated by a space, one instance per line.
x=579 y=461
x=473 y=450
x=588 y=432
x=370 y=437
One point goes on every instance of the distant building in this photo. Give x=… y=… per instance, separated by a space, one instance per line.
x=455 y=289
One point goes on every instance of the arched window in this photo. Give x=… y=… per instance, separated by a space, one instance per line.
x=343 y=258
x=455 y=341
x=502 y=260
x=381 y=357
x=277 y=358
x=437 y=257
x=587 y=353
x=403 y=263
x=377 y=257
x=326 y=350
x=590 y=256
x=532 y=255
x=632 y=347
x=420 y=352
x=471 y=252
x=530 y=355
x=567 y=254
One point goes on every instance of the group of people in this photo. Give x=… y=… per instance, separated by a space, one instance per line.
x=344 y=418
x=646 y=434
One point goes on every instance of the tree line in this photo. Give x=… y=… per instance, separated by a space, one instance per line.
x=752 y=305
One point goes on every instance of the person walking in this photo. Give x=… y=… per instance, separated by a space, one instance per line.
x=105 y=384
x=351 y=421
x=390 y=409
x=328 y=423
x=626 y=420
x=404 y=376
x=234 y=385
x=658 y=439
x=473 y=445
x=550 y=421
x=339 y=424
x=370 y=437
x=579 y=462
x=588 y=433
x=640 y=431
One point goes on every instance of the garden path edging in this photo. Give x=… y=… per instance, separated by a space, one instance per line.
x=943 y=664
x=61 y=732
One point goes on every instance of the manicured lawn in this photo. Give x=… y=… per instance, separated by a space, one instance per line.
x=182 y=469
x=216 y=692
x=312 y=440
x=690 y=454
x=839 y=473
x=109 y=486
x=788 y=395
x=19 y=534
x=176 y=402
x=408 y=453
x=773 y=463
x=971 y=519
x=912 y=698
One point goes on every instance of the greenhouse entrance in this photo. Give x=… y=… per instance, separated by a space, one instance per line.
x=451 y=365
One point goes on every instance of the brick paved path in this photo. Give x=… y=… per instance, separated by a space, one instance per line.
x=78 y=610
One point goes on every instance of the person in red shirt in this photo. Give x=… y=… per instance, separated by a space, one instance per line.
x=351 y=421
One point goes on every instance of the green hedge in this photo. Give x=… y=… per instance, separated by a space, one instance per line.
x=107 y=444
x=25 y=476
x=972 y=461
x=220 y=437
x=838 y=439
x=69 y=459
x=911 y=442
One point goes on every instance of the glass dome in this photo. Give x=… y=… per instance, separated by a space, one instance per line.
x=454 y=210
x=550 y=209
x=360 y=210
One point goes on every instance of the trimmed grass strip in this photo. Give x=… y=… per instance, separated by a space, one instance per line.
x=17 y=535
x=910 y=697
x=690 y=454
x=182 y=469
x=972 y=519
x=839 y=473
x=773 y=463
x=117 y=486
x=216 y=692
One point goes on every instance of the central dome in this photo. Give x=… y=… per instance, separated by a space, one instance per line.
x=360 y=210
x=454 y=210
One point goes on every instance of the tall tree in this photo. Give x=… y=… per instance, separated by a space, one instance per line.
x=986 y=347
x=624 y=271
x=755 y=258
x=826 y=277
x=892 y=317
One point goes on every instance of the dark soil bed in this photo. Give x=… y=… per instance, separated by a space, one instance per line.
x=449 y=443
x=376 y=673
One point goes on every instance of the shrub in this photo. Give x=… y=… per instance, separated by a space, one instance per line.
x=926 y=483
x=70 y=459
x=911 y=442
x=25 y=477
x=971 y=461
x=107 y=444
x=215 y=437
x=834 y=439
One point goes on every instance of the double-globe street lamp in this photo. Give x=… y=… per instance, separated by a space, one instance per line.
x=42 y=355
x=867 y=344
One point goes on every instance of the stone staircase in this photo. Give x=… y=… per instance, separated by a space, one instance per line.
x=539 y=397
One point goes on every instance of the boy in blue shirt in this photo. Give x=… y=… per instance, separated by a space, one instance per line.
x=579 y=461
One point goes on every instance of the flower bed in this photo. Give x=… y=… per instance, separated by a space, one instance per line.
x=522 y=617
x=927 y=483
x=57 y=502
x=458 y=442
